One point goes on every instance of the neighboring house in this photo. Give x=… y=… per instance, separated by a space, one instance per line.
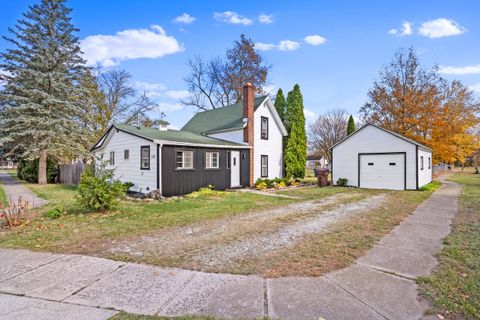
x=373 y=157
x=226 y=147
x=315 y=161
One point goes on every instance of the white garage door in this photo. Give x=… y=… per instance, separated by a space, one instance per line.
x=382 y=171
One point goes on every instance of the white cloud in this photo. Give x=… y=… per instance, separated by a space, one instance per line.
x=184 y=19
x=177 y=94
x=406 y=30
x=110 y=50
x=166 y=106
x=288 y=45
x=151 y=89
x=475 y=87
x=315 y=40
x=283 y=45
x=440 y=27
x=232 y=18
x=309 y=115
x=460 y=70
x=265 y=18
x=264 y=46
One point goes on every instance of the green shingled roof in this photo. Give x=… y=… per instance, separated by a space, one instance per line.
x=226 y=118
x=173 y=135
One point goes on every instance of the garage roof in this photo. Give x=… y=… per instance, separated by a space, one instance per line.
x=388 y=131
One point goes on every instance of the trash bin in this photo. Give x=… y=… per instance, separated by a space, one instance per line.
x=322 y=177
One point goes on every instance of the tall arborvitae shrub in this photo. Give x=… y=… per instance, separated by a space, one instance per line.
x=296 y=146
x=351 y=125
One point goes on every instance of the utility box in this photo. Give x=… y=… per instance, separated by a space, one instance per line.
x=322 y=177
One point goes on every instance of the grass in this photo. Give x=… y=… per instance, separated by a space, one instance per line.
x=128 y=316
x=3 y=196
x=75 y=232
x=454 y=288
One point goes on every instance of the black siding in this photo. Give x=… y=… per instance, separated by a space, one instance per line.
x=180 y=182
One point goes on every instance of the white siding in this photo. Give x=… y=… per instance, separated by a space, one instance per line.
x=234 y=135
x=273 y=147
x=425 y=175
x=129 y=170
x=370 y=140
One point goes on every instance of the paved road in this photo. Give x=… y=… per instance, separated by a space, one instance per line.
x=14 y=190
x=379 y=285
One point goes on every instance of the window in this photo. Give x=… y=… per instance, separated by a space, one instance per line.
x=211 y=160
x=126 y=154
x=184 y=159
x=228 y=160
x=264 y=128
x=421 y=163
x=264 y=166
x=429 y=163
x=145 y=157
x=112 y=158
x=393 y=164
x=370 y=163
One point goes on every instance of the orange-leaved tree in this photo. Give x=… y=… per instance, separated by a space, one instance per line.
x=423 y=106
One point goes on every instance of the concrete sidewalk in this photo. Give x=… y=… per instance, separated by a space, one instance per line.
x=379 y=285
x=14 y=190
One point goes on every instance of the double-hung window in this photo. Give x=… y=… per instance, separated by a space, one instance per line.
x=264 y=166
x=145 y=157
x=112 y=158
x=211 y=160
x=184 y=159
x=264 y=128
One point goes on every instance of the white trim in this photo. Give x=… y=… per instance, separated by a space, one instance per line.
x=209 y=159
x=176 y=143
x=276 y=117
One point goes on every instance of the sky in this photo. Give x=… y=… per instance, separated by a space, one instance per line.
x=333 y=49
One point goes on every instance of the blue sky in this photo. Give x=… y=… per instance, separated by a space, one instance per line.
x=349 y=42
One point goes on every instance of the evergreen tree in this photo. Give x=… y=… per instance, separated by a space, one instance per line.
x=280 y=104
x=296 y=146
x=39 y=105
x=351 y=125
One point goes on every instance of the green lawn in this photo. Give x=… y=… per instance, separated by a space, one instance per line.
x=454 y=288
x=77 y=230
x=3 y=196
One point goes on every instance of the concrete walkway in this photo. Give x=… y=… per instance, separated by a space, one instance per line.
x=14 y=190
x=379 y=285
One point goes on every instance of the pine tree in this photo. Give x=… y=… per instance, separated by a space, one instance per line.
x=39 y=104
x=280 y=104
x=296 y=146
x=351 y=125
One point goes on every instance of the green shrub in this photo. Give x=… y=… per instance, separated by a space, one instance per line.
x=98 y=191
x=54 y=213
x=27 y=170
x=342 y=182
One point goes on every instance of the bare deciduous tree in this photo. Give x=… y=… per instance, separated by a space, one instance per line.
x=326 y=131
x=219 y=82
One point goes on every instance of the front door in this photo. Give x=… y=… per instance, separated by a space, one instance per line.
x=235 y=169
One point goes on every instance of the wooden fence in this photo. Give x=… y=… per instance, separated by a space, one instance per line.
x=70 y=173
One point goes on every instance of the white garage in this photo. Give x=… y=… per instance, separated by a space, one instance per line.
x=376 y=158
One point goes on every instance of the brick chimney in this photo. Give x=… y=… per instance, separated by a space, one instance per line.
x=248 y=110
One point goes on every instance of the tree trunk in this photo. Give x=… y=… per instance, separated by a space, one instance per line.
x=42 y=167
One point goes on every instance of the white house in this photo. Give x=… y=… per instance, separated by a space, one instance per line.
x=373 y=157
x=226 y=147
